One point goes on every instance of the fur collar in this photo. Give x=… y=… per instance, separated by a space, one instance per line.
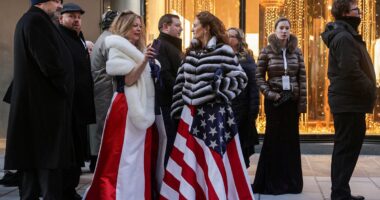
x=275 y=43
x=123 y=57
x=126 y=47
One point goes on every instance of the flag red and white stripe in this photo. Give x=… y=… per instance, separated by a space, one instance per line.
x=127 y=158
x=195 y=171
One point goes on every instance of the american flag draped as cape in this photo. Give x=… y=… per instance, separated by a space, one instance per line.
x=206 y=161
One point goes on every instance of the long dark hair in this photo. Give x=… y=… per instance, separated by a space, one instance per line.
x=217 y=29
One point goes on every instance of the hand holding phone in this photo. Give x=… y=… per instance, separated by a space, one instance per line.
x=156 y=46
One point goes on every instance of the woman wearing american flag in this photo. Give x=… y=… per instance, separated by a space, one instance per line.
x=206 y=161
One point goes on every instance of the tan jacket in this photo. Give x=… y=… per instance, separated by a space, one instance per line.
x=271 y=63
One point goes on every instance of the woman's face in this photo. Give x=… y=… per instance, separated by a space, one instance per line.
x=198 y=30
x=233 y=38
x=283 y=30
x=134 y=34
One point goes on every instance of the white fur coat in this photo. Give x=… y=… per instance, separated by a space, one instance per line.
x=122 y=58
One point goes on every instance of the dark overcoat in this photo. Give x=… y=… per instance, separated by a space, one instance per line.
x=170 y=57
x=39 y=128
x=246 y=106
x=83 y=104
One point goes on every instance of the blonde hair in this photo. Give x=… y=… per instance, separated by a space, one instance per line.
x=124 y=23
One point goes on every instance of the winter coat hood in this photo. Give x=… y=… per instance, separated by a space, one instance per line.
x=334 y=28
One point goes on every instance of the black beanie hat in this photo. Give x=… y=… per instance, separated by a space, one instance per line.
x=34 y=2
x=108 y=18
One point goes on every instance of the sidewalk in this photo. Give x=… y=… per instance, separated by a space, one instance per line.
x=316 y=171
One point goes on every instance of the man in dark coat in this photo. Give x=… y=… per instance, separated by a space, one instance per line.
x=83 y=104
x=170 y=56
x=352 y=92
x=39 y=139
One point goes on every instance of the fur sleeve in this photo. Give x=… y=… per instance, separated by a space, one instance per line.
x=118 y=63
x=178 y=101
x=232 y=80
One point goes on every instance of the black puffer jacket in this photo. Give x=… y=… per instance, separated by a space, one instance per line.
x=351 y=73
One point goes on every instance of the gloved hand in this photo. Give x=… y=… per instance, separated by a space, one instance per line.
x=285 y=96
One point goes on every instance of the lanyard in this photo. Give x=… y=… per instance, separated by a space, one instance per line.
x=285 y=61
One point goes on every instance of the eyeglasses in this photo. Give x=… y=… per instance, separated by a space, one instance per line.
x=356 y=9
x=232 y=36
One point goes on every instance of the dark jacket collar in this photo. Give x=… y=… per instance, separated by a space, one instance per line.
x=276 y=46
x=36 y=9
x=334 y=28
x=71 y=33
x=347 y=27
x=176 y=42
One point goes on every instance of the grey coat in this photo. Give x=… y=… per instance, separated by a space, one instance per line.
x=103 y=90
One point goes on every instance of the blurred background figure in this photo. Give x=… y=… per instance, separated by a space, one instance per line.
x=246 y=104
x=103 y=89
x=90 y=46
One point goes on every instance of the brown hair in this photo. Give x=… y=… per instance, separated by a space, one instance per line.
x=281 y=19
x=217 y=29
x=123 y=23
x=341 y=7
x=240 y=36
x=166 y=19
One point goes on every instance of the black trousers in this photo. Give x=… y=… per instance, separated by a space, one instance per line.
x=71 y=178
x=41 y=181
x=349 y=135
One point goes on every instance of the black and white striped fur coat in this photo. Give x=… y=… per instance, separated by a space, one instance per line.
x=209 y=75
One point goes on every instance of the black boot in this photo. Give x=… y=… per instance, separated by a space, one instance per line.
x=358 y=197
x=10 y=179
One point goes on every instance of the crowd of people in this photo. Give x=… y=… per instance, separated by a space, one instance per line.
x=157 y=122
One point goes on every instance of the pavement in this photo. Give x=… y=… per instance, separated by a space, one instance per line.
x=316 y=175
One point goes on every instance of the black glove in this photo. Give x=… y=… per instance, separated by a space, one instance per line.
x=285 y=96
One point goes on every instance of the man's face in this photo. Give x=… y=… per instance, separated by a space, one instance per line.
x=174 y=29
x=71 y=20
x=354 y=11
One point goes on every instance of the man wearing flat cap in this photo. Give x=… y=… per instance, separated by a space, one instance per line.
x=39 y=138
x=83 y=112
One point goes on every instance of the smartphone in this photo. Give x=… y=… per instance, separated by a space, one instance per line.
x=156 y=45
